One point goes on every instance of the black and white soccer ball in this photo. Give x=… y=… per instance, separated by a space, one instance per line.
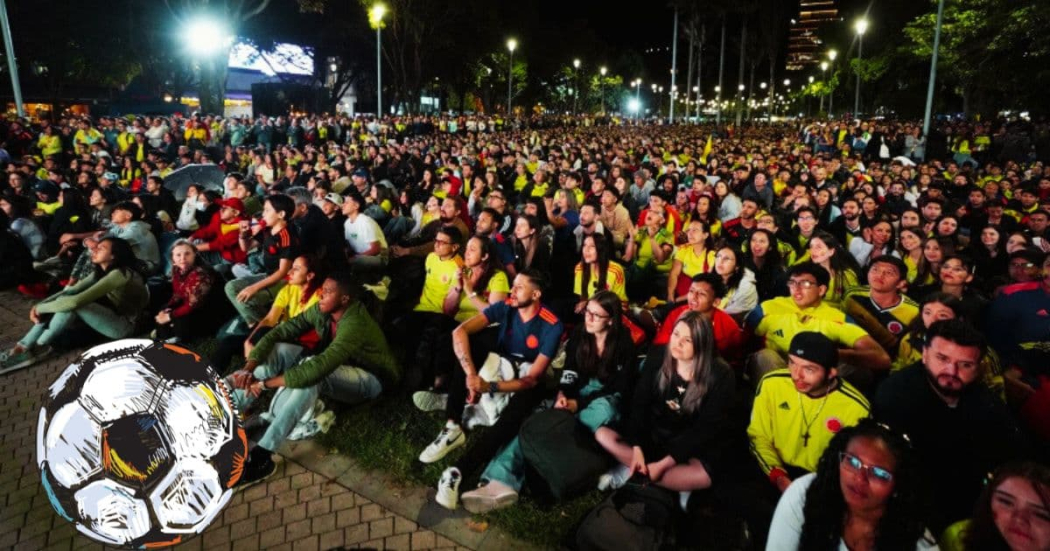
x=138 y=444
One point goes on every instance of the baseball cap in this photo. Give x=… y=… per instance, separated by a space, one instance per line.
x=111 y=176
x=816 y=348
x=361 y=173
x=334 y=198
x=233 y=203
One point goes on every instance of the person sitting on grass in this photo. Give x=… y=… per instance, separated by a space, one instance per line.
x=352 y=363
x=527 y=337
x=599 y=372
x=108 y=300
x=129 y=226
x=187 y=312
x=865 y=494
x=674 y=434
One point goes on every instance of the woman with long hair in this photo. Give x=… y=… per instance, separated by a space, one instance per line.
x=529 y=249
x=764 y=259
x=1012 y=514
x=482 y=281
x=694 y=257
x=109 y=300
x=674 y=433
x=988 y=250
x=828 y=253
x=947 y=227
x=596 y=272
x=867 y=494
x=876 y=240
x=741 y=293
x=601 y=358
x=910 y=248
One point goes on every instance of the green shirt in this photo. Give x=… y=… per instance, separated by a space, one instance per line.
x=124 y=290
x=358 y=341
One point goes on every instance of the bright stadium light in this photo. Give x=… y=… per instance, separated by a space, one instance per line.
x=206 y=36
x=633 y=105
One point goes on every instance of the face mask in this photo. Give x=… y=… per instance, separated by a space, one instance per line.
x=201 y=206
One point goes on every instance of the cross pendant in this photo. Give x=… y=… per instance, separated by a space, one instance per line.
x=805 y=439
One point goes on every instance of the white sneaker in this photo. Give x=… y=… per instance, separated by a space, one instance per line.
x=448 y=488
x=450 y=438
x=427 y=400
x=492 y=496
x=683 y=500
x=615 y=478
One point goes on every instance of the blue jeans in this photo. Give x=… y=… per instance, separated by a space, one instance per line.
x=96 y=316
x=346 y=384
x=508 y=466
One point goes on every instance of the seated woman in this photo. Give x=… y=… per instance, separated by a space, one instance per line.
x=20 y=211
x=601 y=356
x=694 y=257
x=648 y=254
x=674 y=433
x=1012 y=514
x=741 y=294
x=595 y=272
x=875 y=241
x=828 y=253
x=866 y=494
x=109 y=300
x=955 y=277
x=530 y=249
x=764 y=260
x=187 y=312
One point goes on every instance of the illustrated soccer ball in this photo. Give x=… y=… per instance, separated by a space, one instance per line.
x=138 y=444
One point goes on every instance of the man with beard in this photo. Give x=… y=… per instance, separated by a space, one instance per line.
x=738 y=230
x=423 y=244
x=847 y=226
x=589 y=225
x=960 y=430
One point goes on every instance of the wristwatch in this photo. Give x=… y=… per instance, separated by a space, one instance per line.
x=493 y=388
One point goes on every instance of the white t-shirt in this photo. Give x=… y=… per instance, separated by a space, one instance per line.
x=361 y=233
x=786 y=528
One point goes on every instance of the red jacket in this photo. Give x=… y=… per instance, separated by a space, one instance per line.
x=223 y=238
x=729 y=338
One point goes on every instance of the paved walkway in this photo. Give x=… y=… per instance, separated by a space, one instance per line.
x=307 y=505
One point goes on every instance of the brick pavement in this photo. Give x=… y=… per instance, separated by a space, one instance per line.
x=297 y=509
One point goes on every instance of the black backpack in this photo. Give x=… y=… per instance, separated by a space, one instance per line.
x=562 y=458
x=638 y=516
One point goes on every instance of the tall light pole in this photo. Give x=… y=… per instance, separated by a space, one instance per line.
x=512 y=45
x=824 y=78
x=575 y=84
x=787 y=94
x=375 y=18
x=674 y=66
x=862 y=27
x=933 y=70
x=832 y=54
x=601 y=86
x=12 y=66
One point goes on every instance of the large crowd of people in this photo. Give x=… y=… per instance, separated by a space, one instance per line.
x=703 y=302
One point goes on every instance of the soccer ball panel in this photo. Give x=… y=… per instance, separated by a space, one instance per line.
x=111 y=512
x=118 y=388
x=197 y=420
x=73 y=445
x=188 y=497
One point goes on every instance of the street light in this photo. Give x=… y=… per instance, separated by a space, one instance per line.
x=375 y=19
x=205 y=37
x=601 y=86
x=832 y=54
x=576 y=83
x=861 y=27
x=512 y=45
x=763 y=86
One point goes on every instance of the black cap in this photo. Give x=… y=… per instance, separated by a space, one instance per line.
x=816 y=348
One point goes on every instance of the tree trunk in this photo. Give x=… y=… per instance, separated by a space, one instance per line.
x=213 y=83
x=751 y=89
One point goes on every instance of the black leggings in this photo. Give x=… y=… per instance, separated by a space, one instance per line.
x=490 y=440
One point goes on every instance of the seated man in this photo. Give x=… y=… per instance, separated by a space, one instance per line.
x=353 y=363
x=880 y=307
x=528 y=334
x=218 y=242
x=959 y=429
x=778 y=320
x=807 y=401
x=367 y=245
x=704 y=293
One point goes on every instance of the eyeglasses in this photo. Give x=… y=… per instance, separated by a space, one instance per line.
x=804 y=284
x=595 y=315
x=442 y=242
x=854 y=464
x=1021 y=266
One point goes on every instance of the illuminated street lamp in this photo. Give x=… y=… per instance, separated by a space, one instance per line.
x=512 y=44
x=601 y=86
x=832 y=54
x=375 y=19
x=861 y=27
x=576 y=83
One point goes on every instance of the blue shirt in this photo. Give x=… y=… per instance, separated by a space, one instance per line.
x=503 y=249
x=523 y=340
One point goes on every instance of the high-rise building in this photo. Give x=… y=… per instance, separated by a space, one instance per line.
x=804 y=44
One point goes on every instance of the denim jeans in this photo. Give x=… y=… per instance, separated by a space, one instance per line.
x=96 y=316
x=508 y=466
x=259 y=305
x=346 y=384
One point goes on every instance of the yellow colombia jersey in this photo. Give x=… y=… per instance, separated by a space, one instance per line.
x=614 y=278
x=780 y=319
x=290 y=301
x=886 y=326
x=498 y=283
x=694 y=264
x=782 y=417
x=441 y=276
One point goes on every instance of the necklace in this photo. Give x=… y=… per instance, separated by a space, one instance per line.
x=806 y=424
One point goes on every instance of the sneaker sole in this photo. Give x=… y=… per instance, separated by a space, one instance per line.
x=247 y=485
x=29 y=362
x=455 y=444
x=484 y=504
